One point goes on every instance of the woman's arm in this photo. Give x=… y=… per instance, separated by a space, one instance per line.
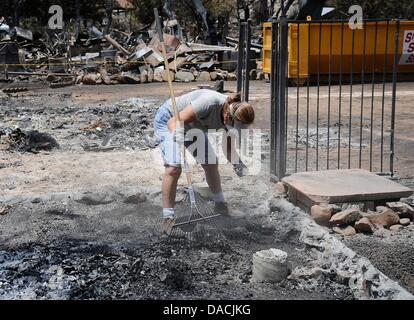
x=187 y=115
x=229 y=148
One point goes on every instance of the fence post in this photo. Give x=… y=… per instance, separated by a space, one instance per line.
x=247 y=61
x=394 y=97
x=281 y=100
x=273 y=98
x=240 y=57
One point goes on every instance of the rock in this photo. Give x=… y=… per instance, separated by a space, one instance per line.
x=79 y=78
x=364 y=226
x=143 y=76
x=158 y=76
x=89 y=79
x=334 y=208
x=345 y=231
x=381 y=208
x=129 y=78
x=136 y=198
x=385 y=219
x=104 y=75
x=98 y=79
x=404 y=210
x=204 y=76
x=348 y=216
x=231 y=77
x=321 y=215
x=184 y=76
x=195 y=73
x=270 y=266
x=150 y=75
x=164 y=75
x=396 y=227
x=213 y=76
x=281 y=188
x=409 y=201
x=404 y=222
x=253 y=74
x=359 y=206
x=222 y=75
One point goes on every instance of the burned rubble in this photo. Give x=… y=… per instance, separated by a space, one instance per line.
x=215 y=268
x=30 y=141
x=61 y=58
x=123 y=125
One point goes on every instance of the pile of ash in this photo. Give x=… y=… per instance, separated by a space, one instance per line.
x=26 y=141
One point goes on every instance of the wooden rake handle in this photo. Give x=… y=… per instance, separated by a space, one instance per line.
x=170 y=86
x=166 y=64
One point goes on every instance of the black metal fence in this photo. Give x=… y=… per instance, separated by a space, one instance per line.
x=243 y=60
x=333 y=96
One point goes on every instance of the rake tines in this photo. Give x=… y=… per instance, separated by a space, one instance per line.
x=195 y=221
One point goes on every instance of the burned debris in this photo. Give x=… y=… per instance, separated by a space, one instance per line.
x=30 y=141
x=92 y=57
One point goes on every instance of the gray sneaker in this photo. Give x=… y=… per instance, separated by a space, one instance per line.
x=221 y=208
x=169 y=230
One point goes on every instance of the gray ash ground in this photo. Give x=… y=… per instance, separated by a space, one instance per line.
x=69 y=248
x=393 y=254
x=124 y=125
x=149 y=266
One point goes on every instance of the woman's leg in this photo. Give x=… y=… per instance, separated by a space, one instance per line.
x=214 y=182
x=169 y=190
x=169 y=186
x=213 y=177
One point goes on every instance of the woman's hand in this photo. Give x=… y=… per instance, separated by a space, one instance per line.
x=179 y=134
x=239 y=168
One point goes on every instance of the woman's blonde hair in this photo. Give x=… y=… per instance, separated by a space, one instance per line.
x=239 y=110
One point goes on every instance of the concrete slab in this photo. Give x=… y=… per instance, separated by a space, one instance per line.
x=342 y=186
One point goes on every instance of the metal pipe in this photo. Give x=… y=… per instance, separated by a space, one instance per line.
x=340 y=95
x=383 y=96
x=329 y=97
x=372 y=97
x=350 y=99
x=394 y=97
x=307 y=101
x=247 y=61
x=240 y=58
x=281 y=148
x=318 y=98
x=297 y=100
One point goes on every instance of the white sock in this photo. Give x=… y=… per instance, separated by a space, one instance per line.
x=218 y=197
x=168 y=213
